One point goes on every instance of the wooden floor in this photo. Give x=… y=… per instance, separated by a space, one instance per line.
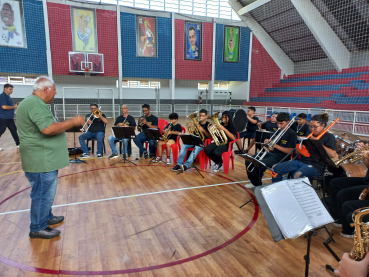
x=147 y=221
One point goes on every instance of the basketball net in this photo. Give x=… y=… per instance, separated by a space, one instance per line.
x=87 y=72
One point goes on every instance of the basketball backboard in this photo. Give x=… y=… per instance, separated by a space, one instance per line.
x=81 y=62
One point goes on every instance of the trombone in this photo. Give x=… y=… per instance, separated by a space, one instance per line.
x=95 y=114
x=272 y=141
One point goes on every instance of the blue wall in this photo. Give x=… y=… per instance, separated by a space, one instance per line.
x=138 y=67
x=232 y=71
x=32 y=59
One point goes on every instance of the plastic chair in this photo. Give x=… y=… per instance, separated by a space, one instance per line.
x=161 y=125
x=201 y=156
x=292 y=115
x=175 y=147
x=229 y=155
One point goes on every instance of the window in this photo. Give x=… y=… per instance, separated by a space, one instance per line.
x=139 y=84
x=218 y=86
x=16 y=80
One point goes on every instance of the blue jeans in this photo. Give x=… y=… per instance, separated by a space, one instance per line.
x=99 y=136
x=295 y=167
x=191 y=158
x=112 y=140
x=140 y=138
x=42 y=195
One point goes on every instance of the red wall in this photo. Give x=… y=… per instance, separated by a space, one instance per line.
x=193 y=70
x=264 y=71
x=61 y=38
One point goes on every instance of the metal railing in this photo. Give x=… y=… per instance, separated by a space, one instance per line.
x=186 y=109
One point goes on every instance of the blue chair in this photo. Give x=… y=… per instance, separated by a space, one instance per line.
x=309 y=117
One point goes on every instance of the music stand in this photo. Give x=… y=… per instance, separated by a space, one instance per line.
x=123 y=133
x=257 y=163
x=74 y=130
x=153 y=134
x=195 y=141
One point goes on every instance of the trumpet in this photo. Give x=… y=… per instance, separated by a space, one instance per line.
x=139 y=127
x=219 y=136
x=193 y=127
x=352 y=157
x=95 y=114
x=272 y=141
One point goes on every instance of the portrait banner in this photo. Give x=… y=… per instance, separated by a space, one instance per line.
x=12 y=30
x=84 y=30
x=193 y=41
x=146 y=38
x=231 y=48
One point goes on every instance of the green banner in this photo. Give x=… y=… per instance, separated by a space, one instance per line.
x=231 y=44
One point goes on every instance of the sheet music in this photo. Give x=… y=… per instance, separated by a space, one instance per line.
x=295 y=207
x=309 y=202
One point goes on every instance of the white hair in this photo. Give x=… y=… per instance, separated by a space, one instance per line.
x=43 y=82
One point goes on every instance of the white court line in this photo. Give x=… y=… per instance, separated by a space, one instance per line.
x=11 y=163
x=134 y=195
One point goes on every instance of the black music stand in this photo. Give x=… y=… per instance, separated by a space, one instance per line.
x=74 y=130
x=123 y=133
x=192 y=140
x=257 y=163
x=153 y=133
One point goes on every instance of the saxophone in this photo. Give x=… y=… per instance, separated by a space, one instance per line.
x=219 y=136
x=193 y=127
x=352 y=157
x=361 y=236
x=139 y=127
x=165 y=135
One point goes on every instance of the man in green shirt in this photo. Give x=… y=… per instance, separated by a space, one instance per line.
x=43 y=152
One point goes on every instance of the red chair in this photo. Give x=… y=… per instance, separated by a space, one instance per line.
x=201 y=157
x=207 y=159
x=161 y=124
x=175 y=147
x=229 y=155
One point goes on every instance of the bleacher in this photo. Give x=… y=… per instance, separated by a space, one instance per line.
x=347 y=90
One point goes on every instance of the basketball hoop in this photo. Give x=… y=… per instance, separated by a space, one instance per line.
x=87 y=72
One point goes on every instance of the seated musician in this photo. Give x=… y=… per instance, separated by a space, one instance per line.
x=95 y=131
x=344 y=197
x=197 y=149
x=301 y=128
x=174 y=130
x=283 y=146
x=250 y=132
x=124 y=120
x=307 y=166
x=149 y=121
x=270 y=126
x=213 y=151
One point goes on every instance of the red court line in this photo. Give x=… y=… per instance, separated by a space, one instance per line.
x=133 y=270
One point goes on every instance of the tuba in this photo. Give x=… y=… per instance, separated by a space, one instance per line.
x=361 y=235
x=193 y=126
x=219 y=136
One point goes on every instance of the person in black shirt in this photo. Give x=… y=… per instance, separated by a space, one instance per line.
x=250 y=132
x=270 y=126
x=149 y=121
x=213 y=151
x=307 y=166
x=301 y=128
x=96 y=131
x=197 y=149
x=284 y=146
x=344 y=196
x=174 y=131
x=128 y=121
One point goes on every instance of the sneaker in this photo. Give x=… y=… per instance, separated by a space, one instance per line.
x=84 y=156
x=55 y=220
x=99 y=156
x=335 y=224
x=183 y=167
x=158 y=159
x=249 y=186
x=17 y=146
x=113 y=156
x=346 y=235
x=168 y=161
x=145 y=155
x=217 y=167
x=176 y=168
